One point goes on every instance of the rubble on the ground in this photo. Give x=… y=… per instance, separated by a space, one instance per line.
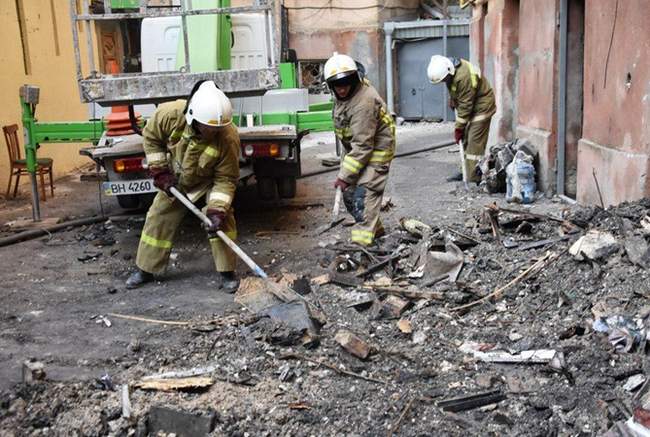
x=506 y=339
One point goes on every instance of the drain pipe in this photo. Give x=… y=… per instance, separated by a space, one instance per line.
x=561 y=110
x=388 y=31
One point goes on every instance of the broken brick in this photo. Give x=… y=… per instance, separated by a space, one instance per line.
x=353 y=344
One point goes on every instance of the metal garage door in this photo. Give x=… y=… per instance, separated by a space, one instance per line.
x=418 y=98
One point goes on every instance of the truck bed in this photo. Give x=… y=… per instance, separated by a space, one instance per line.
x=127 y=145
x=270 y=132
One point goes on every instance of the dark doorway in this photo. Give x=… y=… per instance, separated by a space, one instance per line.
x=574 y=91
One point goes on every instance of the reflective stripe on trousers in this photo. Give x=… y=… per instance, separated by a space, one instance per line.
x=163 y=219
x=362 y=237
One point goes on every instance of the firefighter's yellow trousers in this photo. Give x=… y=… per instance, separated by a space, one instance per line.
x=476 y=140
x=363 y=201
x=157 y=238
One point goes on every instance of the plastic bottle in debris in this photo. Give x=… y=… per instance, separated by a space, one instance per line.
x=520 y=179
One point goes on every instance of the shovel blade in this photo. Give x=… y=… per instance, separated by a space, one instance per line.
x=329 y=226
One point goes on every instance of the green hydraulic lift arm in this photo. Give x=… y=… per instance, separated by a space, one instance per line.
x=36 y=133
x=318 y=118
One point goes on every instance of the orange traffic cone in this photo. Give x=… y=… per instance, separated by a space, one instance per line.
x=118 y=121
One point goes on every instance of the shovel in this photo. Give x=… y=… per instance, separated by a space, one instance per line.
x=240 y=253
x=461 y=149
x=262 y=294
x=335 y=213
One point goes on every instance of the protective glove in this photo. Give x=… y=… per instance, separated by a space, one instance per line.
x=458 y=135
x=163 y=179
x=216 y=217
x=340 y=183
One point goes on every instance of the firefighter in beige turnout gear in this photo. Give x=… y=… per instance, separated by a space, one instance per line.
x=367 y=132
x=473 y=99
x=193 y=146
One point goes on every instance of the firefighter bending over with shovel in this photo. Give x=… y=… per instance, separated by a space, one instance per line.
x=192 y=146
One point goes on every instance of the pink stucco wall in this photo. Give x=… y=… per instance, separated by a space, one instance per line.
x=618 y=110
x=499 y=31
x=537 y=59
x=616 y=129
x=613 y=130
x=515 y=43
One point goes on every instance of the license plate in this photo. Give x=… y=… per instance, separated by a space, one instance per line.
x=139 y=186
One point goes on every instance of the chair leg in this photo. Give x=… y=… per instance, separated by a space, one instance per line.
x=51 y=183
x=40 y=173
x=16 y=187
x=11 y=176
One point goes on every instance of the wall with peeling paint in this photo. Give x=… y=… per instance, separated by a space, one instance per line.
x=353 y=28
x=616 y=130
x=498 y=25
x=536 y=98
x=515 y=43
x=608 y=89
x=51 y=67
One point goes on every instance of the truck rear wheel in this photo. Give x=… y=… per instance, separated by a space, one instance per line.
x=287 y=187
x=130 y=201
x=146 y=200
x=266 y=188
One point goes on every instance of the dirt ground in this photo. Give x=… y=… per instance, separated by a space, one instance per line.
x=59 y=289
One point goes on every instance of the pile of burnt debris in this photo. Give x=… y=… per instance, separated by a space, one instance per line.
x=512 y=323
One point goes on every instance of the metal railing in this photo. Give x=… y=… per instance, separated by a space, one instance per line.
x=145 y=11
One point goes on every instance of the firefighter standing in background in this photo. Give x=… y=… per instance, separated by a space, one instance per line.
x=203 y=148
x=367 y=132
x=472 y=97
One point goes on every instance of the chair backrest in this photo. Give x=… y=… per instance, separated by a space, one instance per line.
x=11 y=137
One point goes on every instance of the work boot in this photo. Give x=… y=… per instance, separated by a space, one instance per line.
x=138 y=278
x=455 y=178
x=229 y=282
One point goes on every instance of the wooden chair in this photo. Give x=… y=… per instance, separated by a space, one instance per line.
x=19 y=165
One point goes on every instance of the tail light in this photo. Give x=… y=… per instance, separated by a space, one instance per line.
x=261 y=150
x=128 y=165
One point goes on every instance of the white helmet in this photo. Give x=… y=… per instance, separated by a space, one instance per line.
x=439 y=68
x=209 y=106
x=339 y=66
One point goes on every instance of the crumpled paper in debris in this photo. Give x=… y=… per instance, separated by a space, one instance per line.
x=437 y=264
x=553 y=358
x=624 y=333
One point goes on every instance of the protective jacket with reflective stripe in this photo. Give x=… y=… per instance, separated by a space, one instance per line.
x=471 y=94
x=200 y=166
x=366 y=131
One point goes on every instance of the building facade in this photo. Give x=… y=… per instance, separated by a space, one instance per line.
x=351 y=27
x=37 y=50
x=572 y=76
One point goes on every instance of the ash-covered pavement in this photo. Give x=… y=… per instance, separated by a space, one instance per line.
x=59 y=290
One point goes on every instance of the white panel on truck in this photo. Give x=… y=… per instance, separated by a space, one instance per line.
x=249 y=48
x=159 y=43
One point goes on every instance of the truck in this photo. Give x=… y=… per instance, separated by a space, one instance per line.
x=154 y=51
